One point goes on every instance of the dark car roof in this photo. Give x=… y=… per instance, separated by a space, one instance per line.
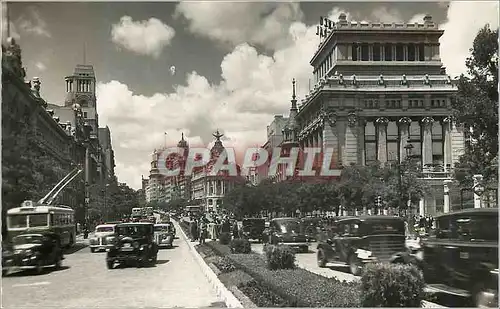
x=470 y=211
x=371 y=218
x=254 y=219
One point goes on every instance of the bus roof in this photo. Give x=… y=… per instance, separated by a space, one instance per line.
x=39 y=209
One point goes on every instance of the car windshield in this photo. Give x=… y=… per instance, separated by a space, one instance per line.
x=385 y=227
x=133 y=230
x=27 y=239
x=290 y=226
x=103 y=229
x=162 y=228
x=18 y=221
x=253 y=223
x=38 y=220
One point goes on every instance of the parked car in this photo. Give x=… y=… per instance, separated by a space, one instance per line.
x=134 y=242
x=164 y=236
x=103 y=237
x=355 y=241
x=311 y=226
x=35 y=252
x=287 y=231
x=253 y=228
x=460 y=257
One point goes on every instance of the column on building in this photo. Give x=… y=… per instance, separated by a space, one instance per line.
x=447 y=153
x=331 y=138
x=457 y=137
x=350 y=153
x=426 y=123
x=361 y=141
x=381 y=125
x=404 y=136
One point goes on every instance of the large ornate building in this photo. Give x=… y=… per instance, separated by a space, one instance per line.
x=209 y=190
x=379 y=87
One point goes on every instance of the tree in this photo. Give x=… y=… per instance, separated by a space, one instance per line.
x=476 y=108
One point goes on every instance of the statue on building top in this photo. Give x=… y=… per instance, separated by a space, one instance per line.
x=13 y=58
x=36 y=86
x=217 y=135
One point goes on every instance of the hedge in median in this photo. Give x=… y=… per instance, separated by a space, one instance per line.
x=279 y=257
x=225 y=238
x=392 y=285
x=299 y=287
x=240 y=246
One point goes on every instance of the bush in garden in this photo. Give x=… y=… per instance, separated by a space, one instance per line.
x=240 y=246
x=262 y=296
x=225 y=238
x=392 y=285
x=224 y=265
x=279 y=257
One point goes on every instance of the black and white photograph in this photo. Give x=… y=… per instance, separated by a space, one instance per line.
x=233 y=154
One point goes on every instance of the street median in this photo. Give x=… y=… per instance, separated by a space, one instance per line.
x=222 y=291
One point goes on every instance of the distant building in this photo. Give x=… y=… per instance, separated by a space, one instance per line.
x=209 y=190
x=107 y=153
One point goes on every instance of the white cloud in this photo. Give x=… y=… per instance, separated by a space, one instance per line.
x=32 y=22
x=147 y=37
x=254 y=87
x=265 y=24
x=40 y=66
x=464 y=21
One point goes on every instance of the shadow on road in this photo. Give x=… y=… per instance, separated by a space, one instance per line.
x=76 y=247
x=170 y=248
x=161 y=262
x=31 y=272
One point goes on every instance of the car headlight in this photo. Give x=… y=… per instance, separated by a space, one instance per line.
x=29 y=252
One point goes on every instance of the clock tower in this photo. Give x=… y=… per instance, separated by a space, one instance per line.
x=80 y=89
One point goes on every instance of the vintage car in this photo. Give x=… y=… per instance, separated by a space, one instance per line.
x=134 y=242
x=287 y=231
x=311 y=226
x=460 y=257
x=355 y=241
x=164 y=236
x=103 y=237
x=253 y=228
x=35 y=252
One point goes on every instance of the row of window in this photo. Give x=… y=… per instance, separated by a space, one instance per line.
x=326 y=65
x=62 y=219
x=388 y=52
x=396 y=103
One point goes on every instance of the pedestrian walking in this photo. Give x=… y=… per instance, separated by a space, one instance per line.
x=203 y=231
x=226 y=226
x=235 y=229
x=193 y=228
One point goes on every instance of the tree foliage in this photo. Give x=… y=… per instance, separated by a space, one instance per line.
x=357 y=188
x=476 y=107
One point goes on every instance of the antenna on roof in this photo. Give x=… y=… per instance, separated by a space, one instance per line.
x=84 y=53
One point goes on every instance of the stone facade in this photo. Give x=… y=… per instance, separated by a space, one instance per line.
x=374 y=96
x=22 y=104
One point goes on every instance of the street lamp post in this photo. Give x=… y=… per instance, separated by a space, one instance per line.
x=408 y=148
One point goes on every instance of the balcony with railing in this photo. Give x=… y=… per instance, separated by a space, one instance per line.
x=437 y=171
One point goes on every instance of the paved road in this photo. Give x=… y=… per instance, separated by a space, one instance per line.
x=85 y=282
x=308 y=261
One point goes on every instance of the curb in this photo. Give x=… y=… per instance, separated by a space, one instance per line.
x=221 y=290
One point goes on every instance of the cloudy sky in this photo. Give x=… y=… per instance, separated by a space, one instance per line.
x=234 y=62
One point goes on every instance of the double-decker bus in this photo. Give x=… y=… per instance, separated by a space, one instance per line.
x=32 y=218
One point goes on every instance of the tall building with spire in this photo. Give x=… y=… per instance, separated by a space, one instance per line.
x=208 y=189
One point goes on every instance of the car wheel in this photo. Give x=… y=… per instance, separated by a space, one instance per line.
x=110 y=264
x=39 y=268
x=321 y=258
x=92 y=250
x=58 y=263
x=354 y=266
